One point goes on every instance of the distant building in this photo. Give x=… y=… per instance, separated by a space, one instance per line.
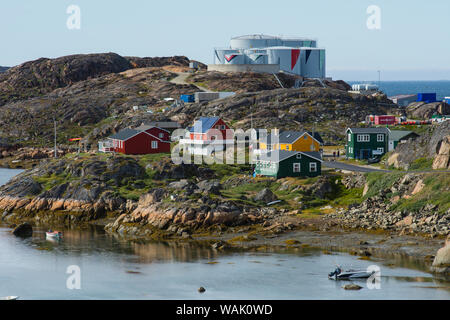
x=364 y=88
x=166 y=125
x=281 y=164
x=381 y=120
x=403 y=100
x=426 y=97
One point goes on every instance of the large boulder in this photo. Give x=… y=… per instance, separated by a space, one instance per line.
x=23 y=230
x=441 y=263
x=320 y=188
x=422 y=110
x=442 y=159
x=209 y=186
x=265 y=195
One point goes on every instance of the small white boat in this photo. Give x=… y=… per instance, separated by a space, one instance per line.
x=339 y=274
x=9 y=298
x=55 y=235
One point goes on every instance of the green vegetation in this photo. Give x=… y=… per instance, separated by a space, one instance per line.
x=422 y=164
x=436 y=192
x=379 y=181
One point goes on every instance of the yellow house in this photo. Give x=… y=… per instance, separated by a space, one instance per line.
x=291 y=141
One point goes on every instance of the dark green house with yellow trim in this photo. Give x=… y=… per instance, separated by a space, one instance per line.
x=364 y=143
x=281 y=164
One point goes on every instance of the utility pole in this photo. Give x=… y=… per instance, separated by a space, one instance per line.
x=379 y=79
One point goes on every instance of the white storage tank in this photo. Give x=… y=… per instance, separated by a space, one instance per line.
x=313 y=62
x=254 y=41
x=287 y=58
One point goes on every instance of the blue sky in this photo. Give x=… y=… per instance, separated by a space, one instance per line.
x=412 y=44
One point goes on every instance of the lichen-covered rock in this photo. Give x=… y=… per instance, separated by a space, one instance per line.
x=265 y=195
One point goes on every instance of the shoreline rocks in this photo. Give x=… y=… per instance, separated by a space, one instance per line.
x=441 y=263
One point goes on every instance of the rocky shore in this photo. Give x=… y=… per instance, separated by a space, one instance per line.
x=384 y=210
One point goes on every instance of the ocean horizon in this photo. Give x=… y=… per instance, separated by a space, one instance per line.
x=396 y=87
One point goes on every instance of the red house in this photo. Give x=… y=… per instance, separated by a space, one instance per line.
x=133 y=141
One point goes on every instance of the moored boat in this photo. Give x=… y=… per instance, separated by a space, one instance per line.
x=53 y=234
x=9 y=298
x=339 y=274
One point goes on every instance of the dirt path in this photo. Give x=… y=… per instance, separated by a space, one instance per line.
x=181 y=79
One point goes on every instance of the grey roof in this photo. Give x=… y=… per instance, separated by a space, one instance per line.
x=124 y=134
x=291 y=136
x=144 y=127
x=397 y=135
x=280 y=155
x=370 y=130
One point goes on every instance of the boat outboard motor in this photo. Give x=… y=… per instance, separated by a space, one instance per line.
x=335 y=272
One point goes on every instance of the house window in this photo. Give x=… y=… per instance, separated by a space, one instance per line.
x=161 y=135
x=349 y=137
x=380 y=150
x=363 y=138
x=222 y=127
x=312 y=167
x=298 y=155
x=269 y=147
x=296 y=167
x=154 y=144
x=380 y=137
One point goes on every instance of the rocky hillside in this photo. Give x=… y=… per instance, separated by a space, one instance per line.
x=432 y=147
x=329 y=110
x=87 y=104
x=42 y=76
x=38 y=77
x=410 y=203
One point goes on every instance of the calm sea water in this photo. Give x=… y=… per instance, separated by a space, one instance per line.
x=392 y=88
x=113 y=268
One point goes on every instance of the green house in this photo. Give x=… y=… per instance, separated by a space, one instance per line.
x=281 y=163
x=364 y=143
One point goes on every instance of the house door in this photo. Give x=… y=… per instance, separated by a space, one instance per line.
x=391 y=145
x=365 y=154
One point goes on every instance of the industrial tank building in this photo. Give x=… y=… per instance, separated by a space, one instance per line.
x=263 y=53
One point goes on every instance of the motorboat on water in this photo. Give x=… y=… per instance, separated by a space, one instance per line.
x=54 y=235
x=9 y=298
x=340 y=274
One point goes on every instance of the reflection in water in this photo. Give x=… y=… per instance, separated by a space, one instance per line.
x=113 y=268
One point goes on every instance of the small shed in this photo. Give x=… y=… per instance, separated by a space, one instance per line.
x=398 y=136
